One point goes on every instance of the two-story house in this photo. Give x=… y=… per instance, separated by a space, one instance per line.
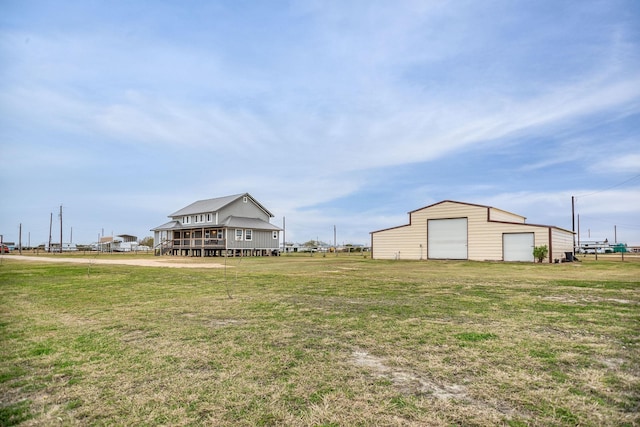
x=236 y=225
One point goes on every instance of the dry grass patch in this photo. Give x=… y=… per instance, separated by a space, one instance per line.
x=321 y=341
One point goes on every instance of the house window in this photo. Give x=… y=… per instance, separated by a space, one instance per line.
x=248 y=234
x=238 y=234
x=244 y=199
x=275 y=235
x=220 y=235
x=186 y=220
x=208 y=217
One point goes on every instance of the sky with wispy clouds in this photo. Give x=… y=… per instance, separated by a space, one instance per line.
x=330 y=113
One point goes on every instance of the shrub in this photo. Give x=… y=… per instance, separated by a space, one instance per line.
x=540 y=252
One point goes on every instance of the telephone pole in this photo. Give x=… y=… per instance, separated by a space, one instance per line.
x=50 y=226
x=334 y=236
x=573 y=223
x=60 y=228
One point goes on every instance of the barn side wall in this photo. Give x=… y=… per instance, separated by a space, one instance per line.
x=484 y=238
x=562 y=243
x=398 y=243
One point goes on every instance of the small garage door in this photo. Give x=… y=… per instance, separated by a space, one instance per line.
x=447 y=238
x=517 y=247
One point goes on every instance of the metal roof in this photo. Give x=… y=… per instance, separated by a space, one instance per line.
x=214 y=205
x=171 y=225
x=241 y=222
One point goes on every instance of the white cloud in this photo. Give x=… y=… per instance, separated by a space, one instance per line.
x=620 y=164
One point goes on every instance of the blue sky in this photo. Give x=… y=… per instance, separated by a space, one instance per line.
x=345 y=113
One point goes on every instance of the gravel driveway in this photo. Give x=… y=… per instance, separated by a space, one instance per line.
x=160 y=262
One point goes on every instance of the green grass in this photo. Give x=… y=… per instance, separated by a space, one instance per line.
x=321 y=341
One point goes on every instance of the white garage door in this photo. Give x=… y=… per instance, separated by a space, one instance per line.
x=447 y=238
x=517 y=247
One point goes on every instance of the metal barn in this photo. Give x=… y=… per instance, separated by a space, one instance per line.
x=466 y=231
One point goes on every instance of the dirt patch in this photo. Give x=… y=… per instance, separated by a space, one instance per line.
x=410 y=382
x=160 y=262
x=407 y=381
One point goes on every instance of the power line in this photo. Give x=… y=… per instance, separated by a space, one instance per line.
x=609 y=222
x=609 y=188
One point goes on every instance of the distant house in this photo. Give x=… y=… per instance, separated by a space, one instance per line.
x=466 y=231
x=66 y=247
x=236 y=225
x=125 y=243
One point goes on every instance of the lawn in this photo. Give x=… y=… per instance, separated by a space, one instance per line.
x=321 y=341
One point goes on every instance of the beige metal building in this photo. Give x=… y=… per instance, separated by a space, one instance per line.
x=466 y=231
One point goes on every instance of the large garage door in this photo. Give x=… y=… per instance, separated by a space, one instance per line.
x=447 y=238
x=517 y=246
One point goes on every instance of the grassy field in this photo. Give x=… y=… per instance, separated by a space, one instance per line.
x=321 y=341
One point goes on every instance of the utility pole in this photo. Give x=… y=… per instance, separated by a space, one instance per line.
x=284 y=235
x=578 y=230
x=615 y=234
x=50 y=226
x=573 y=223
x=60 y=228
x=334 y=237
x=20 y=239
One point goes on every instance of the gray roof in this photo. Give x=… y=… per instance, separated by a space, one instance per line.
x=241 y=222
x=214 y=205
x=168 y=226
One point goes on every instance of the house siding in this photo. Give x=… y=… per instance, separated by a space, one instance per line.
x=260 y=240
x=240 y=209
x=484 y=236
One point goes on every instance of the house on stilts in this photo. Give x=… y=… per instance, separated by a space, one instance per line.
x=236 y=225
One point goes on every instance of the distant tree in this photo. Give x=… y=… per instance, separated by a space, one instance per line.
x=540 y=252
x=147 y=241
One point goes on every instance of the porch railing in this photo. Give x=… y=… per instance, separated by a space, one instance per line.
x=198 y=243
